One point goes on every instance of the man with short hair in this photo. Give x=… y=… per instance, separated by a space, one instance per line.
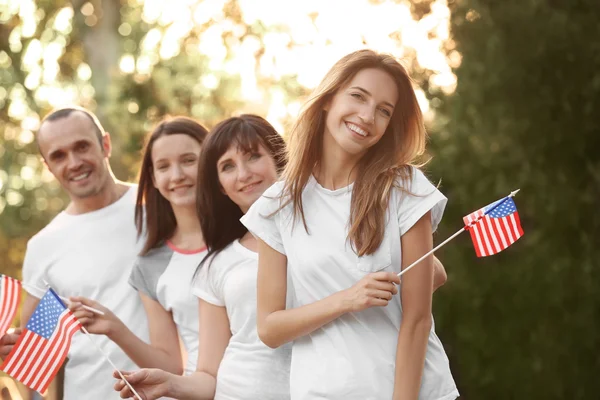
x=86 y=250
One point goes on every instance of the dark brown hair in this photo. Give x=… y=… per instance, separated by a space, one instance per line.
x=219 y=215
x=152 y=211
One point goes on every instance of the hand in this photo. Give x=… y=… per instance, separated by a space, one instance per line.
x=107 y=324
x=150 y=383
x=8 y=341
x=373 y=290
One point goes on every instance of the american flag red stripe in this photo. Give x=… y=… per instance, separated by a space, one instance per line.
x=35 y=359
x=495 y=231
x=10 y=296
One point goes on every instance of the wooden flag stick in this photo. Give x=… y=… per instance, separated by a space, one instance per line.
x=110 y=362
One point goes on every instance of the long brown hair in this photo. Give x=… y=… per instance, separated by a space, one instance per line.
x=380 y=168
x=219 y=215
x=153 y=212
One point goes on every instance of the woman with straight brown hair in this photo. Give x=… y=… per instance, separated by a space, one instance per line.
x=174 y=246
x=351 y=212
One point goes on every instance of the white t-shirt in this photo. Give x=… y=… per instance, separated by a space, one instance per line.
x=249 y=370
x=91 y=255
x=352 y=357
x=165 y=274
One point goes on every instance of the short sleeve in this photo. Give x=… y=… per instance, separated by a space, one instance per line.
x=33 y=272
x=140 y=282
x=148 y=269
x=422 y=197
x=262 y=218
x=208 y=284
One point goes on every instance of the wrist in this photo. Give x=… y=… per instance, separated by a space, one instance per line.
x=343 y=304
x=173 y=386
x=115 y=330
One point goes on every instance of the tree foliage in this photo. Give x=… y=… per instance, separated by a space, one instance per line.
x=523 y=324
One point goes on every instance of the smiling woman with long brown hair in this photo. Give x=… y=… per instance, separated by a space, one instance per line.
x=173 y=247
x=351 y=211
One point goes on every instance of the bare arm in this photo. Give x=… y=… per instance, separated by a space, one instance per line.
x=162 y=352
x=278 y=325
x=416 y=297
x=214 y=338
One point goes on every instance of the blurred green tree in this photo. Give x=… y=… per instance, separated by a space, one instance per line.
x=523 y=324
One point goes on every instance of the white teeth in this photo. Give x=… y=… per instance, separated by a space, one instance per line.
x=249 y=187
x=80 y=177
x=356 y=129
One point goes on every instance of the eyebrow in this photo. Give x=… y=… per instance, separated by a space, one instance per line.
x=61 y=151
x=189 y=153
x=224 y=161
x=365 y=91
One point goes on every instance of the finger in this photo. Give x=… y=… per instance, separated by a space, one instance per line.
x=387 y=286
x=381 y=294
x=135 y=377
x=377 y=302
x=90 y=303
x=80 y=314
x=118 y=376
x=391 y=277
x=126 y=392
x=85 y=321
x=119 y=385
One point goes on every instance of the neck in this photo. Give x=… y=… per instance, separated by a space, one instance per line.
x=188 y=233
x=112 y=191
x=336 y=168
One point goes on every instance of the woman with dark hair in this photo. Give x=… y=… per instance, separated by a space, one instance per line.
x=166 y=216
x=241 y=158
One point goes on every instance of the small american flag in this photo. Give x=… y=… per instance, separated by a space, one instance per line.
x=43 y=346
x=494 y=227
x=10 y=296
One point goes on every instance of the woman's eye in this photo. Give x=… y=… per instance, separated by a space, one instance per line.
x=386 y=112
x=255 y=156
x=226 y=167
x=357 y=96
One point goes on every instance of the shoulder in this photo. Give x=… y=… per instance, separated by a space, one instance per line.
x=155 y=257
x=53 y=230
x=226 y=258
x=412 y=181
x=270 y=201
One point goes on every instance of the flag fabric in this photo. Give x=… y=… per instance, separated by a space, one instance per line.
x=10 y=296
x=494 y=227
x=43 y=346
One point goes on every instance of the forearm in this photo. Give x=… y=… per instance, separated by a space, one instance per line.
x=198 y=386
x=145 y=355
x=283 y=326
x=410 y=358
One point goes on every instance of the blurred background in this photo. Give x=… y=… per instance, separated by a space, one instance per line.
x=510 y=90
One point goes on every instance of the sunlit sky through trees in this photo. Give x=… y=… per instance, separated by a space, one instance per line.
x=299 y=39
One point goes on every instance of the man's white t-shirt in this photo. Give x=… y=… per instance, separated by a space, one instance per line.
x=165 y=274
x=352 y=357
x=249 y=369
x=91 y=255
